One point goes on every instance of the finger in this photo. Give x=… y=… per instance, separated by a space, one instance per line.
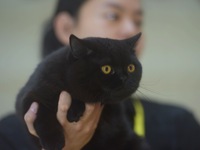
x=97 y=113
x=89 y=110
x=97 y=109
x=30 y=117
x=93 y=118
x=63 y=106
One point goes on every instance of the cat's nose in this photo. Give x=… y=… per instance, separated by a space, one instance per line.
x=123 y=78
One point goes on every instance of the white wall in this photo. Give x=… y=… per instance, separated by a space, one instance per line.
x=20 y=31
x=172 y=55
x=170 y=61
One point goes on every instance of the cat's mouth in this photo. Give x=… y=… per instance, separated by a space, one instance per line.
x=122 y=94
x=112 y=90
x=114 y=99
x=117 y=95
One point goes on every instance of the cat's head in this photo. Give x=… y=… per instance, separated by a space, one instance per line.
x=104 y=70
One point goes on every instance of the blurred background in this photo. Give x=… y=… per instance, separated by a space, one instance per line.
x=171 y=60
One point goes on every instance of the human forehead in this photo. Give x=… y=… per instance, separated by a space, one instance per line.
x=133 y=6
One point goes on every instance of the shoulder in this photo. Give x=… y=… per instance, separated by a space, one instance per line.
x=164 y=109
x=13 y=134
x=171 y=124
x=9 y=123
x=170 y=127
x=170 y=114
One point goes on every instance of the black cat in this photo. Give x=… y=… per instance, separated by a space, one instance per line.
x=91 y=70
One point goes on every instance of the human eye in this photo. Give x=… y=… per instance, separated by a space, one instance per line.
x=112 y=16
x=138 y=23
x=137 y=20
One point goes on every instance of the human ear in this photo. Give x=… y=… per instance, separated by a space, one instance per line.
x=63 y=26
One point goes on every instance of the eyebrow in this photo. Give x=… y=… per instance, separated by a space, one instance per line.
x=113 y=5
x=117 y=6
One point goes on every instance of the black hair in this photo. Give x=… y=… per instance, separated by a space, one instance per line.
x=50 y=42
x=71 y=6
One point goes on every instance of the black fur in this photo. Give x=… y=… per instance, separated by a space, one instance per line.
x=77 y=70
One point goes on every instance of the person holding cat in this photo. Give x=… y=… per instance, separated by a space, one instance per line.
x=164 y=127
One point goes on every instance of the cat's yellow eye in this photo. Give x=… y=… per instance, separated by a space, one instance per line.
x=131 y=68
x=106 y=69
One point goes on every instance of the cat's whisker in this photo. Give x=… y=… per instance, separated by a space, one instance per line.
x=149 y=90
x=145 y=96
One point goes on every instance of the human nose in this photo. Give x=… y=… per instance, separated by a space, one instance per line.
x=128 y=29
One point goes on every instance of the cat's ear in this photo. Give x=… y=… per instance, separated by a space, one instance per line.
x=133 y=40
x=78 y=48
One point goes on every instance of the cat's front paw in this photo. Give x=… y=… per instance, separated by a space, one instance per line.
x=75 y=111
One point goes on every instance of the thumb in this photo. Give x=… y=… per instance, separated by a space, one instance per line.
x=63 y=106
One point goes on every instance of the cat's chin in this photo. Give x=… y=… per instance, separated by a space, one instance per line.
x=106 y=97
x=116 y=99
x=108 y=100
x=115 y=96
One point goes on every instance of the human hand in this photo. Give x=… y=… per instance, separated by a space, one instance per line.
x=77 y=134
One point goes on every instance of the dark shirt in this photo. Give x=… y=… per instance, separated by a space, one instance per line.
x=170 y=128
x=14 y=135
x=167 y=128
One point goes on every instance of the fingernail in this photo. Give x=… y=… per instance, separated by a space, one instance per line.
x=34 y=107
x=65 y=97
x=63 y=94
